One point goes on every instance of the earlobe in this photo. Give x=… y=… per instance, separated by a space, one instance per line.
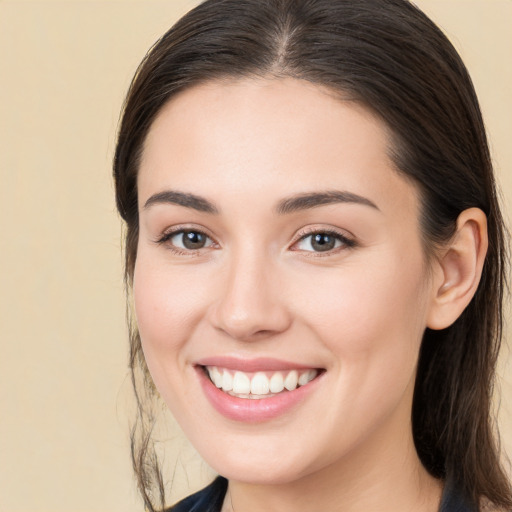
x=459 y=269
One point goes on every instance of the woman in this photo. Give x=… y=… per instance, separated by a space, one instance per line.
x=317 y=259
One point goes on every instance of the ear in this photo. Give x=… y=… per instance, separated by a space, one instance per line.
x=458 y=269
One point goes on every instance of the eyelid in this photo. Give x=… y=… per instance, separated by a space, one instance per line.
x=167 y=234
x=347 y=239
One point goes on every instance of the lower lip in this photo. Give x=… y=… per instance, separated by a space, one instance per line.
x=254 y=410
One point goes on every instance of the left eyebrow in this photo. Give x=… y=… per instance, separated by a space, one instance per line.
x=182 y=199
x=314 y=199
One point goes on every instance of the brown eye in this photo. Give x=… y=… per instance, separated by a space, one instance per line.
x=190 y=240
x=323 y=241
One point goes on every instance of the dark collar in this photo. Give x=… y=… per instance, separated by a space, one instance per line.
x=454 y=501
x=210 y=499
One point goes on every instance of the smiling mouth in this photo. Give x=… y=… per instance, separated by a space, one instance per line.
x=258 y=385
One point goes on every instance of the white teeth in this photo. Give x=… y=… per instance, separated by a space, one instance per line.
x=241 y=383
x=216 y=377
x=290 y=383
x=307 y=377
x=248 y=396
x=277 y=383
x=260 y=384
x=227 y=381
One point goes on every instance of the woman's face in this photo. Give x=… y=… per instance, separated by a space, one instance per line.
x=277 y=243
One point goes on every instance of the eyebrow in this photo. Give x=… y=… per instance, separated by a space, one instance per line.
x=315 y=199
x=182 y=199
x=285 y=206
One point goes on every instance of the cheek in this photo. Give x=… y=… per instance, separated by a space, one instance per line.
x=166 y=296
x=371 y=318
x=363 y=300
x=167 y=303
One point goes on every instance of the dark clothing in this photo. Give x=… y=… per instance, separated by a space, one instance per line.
x=210 y=499
x=453 y=501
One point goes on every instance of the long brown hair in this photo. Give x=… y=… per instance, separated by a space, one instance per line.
x=389 y=56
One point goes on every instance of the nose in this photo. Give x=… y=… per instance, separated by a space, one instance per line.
x=251 y=303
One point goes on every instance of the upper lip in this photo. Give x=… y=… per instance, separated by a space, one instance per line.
x=252 y=365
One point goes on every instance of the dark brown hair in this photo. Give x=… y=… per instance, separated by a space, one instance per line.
x=390 y=57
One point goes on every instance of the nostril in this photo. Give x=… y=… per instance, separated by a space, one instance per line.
x=249 y=306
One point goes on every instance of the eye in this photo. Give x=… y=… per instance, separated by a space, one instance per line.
x=187 y=240
x=323 y=241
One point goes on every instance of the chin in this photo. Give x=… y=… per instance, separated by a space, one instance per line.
x=265 y=460
x=269 y=472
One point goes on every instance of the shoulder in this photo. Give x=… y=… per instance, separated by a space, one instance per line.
x=454 y=501
x=209 y=499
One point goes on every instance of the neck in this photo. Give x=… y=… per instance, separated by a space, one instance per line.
x=383 y=473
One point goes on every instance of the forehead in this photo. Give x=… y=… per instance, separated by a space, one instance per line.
x=269 y=137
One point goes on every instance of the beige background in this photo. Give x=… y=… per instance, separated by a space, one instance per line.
x=64 y=392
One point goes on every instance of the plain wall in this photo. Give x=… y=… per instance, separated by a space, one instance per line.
x=64 y=392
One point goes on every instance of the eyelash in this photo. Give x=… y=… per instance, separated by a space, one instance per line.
x=346 y=243
x=165 y=238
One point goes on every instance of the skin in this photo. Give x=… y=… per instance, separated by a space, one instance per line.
x=258 y=289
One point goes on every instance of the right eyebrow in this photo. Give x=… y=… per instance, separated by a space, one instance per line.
x=315 y=199
x=182 y=199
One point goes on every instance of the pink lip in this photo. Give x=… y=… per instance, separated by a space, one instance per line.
x=251 y=365
x=253 y=411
